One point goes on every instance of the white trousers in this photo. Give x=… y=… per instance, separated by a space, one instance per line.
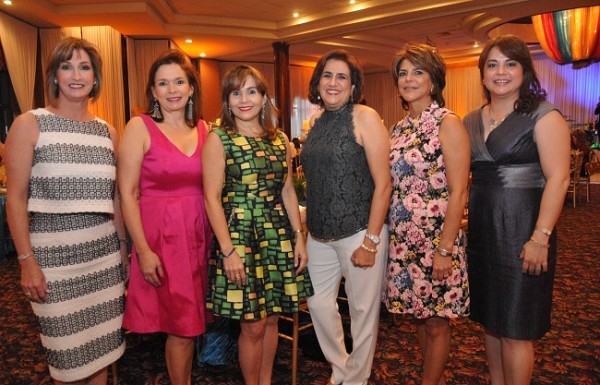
x=327 y=264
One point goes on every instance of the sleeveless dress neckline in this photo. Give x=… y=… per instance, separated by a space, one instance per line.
x=155 y=126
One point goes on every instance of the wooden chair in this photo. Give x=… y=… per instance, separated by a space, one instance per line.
x=296 y=329
x=575 y=174
x=592 y=171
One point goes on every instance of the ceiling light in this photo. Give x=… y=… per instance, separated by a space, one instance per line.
x=202 y=54
x=476 y=45
x=296 y=14
x=188 y=41
x=7 y=2
x=352 y=2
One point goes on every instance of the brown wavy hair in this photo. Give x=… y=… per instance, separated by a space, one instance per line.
x=63 y=52
x=531 y=93
x=429 y=60
x=233 y=81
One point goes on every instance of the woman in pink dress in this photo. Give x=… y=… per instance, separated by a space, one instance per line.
x=160 y=179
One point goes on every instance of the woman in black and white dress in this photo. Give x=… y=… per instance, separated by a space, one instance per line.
x=64 y=217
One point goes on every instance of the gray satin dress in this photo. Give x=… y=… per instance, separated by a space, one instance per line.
x=504 y=203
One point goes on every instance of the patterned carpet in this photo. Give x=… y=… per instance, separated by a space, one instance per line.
x=568 y=355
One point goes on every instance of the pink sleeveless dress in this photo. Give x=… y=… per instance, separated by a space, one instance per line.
x=177 y=230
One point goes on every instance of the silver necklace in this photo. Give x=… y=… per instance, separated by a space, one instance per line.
x=493 y=122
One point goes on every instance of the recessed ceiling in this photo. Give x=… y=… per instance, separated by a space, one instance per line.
x=244 y=30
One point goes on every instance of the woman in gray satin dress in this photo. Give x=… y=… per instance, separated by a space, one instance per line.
x=520 y=169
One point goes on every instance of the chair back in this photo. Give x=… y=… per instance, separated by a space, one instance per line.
x=576 y=163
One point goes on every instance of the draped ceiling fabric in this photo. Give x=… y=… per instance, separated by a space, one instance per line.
x=140 y=56
x=110 y=106
x=19 y=41
x=571 y=35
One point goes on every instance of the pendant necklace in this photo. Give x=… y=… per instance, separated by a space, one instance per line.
x=493 y=122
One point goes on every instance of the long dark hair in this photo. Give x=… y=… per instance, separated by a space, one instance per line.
x=176 y=57
x=233 y=81
x=356 y=76
x=531 y=93
x=429 y=60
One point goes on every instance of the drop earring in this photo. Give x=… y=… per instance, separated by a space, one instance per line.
x=55 y=81
x=156 y=114
x=319 y=97
x=262 y=114
x=189 y=111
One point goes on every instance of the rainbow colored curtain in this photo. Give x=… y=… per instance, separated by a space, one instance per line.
x=570 y=35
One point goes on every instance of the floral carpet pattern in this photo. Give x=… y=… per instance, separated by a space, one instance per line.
x=568 y=355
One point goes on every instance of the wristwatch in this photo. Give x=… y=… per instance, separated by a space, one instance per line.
x=374 y=238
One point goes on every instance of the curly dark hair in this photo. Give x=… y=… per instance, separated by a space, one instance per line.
x=531 y=93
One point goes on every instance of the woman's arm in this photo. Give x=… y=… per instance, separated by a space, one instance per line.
x=551 y=134
x=456 y=151
x=19 y=149
x=373 y=136
x=290 y=201
x=134 y=145
x=213 y=174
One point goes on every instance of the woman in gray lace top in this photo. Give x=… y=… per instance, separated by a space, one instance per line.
x=345 y=161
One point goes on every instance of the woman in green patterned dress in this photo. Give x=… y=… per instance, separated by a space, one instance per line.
x=258 y=260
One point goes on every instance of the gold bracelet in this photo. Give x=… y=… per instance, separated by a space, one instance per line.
x=444 y=252
x=298 y=231
x=538 y=244
x=23 y=257
x=543 y=230
x=362 y=245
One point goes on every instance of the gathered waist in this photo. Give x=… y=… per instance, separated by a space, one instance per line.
x=527 y=175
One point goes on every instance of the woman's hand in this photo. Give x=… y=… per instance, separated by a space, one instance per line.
x=442 y=266
x=151 y=268
x=33 y=281
x=363 y=258
x=535 y=258
x=234 y=269
x=300 y=254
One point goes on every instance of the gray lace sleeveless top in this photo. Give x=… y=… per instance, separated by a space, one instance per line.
x=339 y=183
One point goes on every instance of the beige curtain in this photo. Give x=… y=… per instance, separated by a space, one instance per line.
x=463 y=92
x=110 y=106
x=380 y=93
x=140 y=56
x=19 y=41
x=49 y=37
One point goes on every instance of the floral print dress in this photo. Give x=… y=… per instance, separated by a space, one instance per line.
x=416 y=217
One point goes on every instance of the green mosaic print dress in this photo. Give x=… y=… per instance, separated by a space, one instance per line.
x=255 y=172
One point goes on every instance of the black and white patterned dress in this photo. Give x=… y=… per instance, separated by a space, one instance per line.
x=75 y=243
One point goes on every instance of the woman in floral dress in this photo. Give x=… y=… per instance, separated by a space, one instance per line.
x=430 y=154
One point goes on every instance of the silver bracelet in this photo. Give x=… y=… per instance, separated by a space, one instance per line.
x=444 y=252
